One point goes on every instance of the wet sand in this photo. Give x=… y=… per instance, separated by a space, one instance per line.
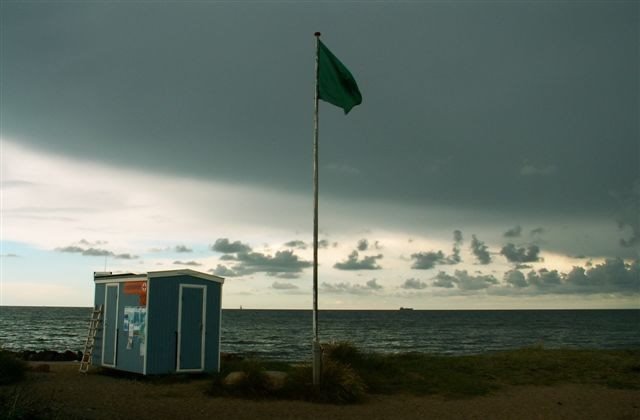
x=99 y=396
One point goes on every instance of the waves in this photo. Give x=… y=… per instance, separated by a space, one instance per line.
x=287 y=334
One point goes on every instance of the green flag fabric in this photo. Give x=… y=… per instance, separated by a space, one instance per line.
x=336 y=85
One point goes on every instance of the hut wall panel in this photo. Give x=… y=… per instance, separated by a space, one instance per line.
x=128 y=359
x=214 y=301
x=162 y=325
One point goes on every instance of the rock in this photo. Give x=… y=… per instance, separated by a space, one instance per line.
x=228 y=357
x=28 y=355
x=234 y=378
x=275 y=380
x=47 y=356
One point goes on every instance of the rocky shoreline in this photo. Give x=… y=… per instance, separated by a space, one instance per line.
x=70 y=356
x=46 y=355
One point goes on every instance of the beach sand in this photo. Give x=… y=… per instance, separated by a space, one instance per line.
x=99 y=396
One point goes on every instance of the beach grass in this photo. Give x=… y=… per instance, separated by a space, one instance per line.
x=12 y=369
x=352 y=373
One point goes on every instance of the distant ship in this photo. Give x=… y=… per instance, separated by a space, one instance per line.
x=402 y=308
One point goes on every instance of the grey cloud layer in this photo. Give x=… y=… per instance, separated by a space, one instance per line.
x=480 y=250
x=464 y=281
x=521 y=255
x=95 y=252
x=188 y=263
x=612 y=276
x=182 y=248
x=242 y=118
x=353 y=263
x=284 y=264
x=369 y=287
x=224 y=246
x=414 y=284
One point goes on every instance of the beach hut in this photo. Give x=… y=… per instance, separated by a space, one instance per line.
x=158 y=322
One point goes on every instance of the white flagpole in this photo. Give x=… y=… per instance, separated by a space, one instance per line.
x=317 y=349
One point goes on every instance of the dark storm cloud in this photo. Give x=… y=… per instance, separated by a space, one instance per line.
x=514 y=232
x=480 y=250
x=150 y=87
x=182 y=248
x=190 y=263
x=363 y=245
x=353 y=263
x=628 y=214
x=283 y=264
x=298 y=244
x=521 y=255
x=414 y=284
x=225 y=246
x=369 y=287
x=541 y=170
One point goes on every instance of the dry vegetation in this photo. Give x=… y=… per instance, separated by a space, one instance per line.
x=527 y=383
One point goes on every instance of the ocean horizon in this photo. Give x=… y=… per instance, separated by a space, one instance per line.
x=286 y=334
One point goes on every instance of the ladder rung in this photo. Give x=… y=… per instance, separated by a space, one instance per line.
x=94 y=325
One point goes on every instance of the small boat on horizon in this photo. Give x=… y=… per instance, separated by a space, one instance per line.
x=402 y=308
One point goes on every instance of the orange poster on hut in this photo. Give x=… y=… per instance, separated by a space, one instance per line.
x=137 y=288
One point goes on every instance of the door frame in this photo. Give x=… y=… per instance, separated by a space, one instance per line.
x=203 y=331
x=115 y=324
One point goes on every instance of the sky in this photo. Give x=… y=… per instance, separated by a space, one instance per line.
x=494 y=162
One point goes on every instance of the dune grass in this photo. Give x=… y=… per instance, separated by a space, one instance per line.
x=16 y=402
x=351 y=374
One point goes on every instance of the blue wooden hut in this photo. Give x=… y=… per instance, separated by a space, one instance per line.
x=159 y=322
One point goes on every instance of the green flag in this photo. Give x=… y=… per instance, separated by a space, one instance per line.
x=336 y=85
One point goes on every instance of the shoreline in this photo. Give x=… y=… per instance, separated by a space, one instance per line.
x=70 y=394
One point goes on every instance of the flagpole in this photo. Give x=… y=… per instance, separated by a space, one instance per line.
x=317 y=349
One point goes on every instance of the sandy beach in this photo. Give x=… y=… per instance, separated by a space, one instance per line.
x=99 y=396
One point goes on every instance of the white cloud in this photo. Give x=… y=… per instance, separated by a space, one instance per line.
x=51 y=202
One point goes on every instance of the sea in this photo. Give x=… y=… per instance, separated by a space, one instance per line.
x=287 y=334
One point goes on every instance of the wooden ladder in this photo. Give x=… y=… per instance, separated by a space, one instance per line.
x=94 y=325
